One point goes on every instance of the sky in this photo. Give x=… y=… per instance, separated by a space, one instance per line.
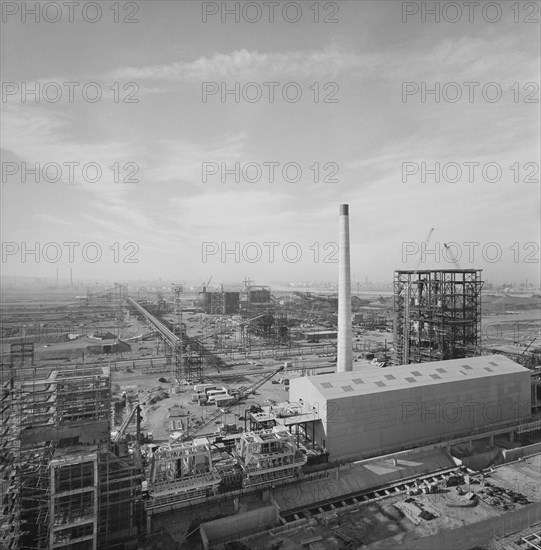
x=142 y=180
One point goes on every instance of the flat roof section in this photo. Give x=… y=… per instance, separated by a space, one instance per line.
x=376 y=379
x=437 y=270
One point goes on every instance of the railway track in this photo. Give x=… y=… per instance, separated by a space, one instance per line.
x=352 y=500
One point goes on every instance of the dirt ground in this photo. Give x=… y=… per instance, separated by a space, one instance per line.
x=512 y=332
x=245 y=369
x=522 y=476
x=155 y=415
x=382 y=525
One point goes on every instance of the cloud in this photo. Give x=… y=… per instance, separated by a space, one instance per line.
x=370 y=133
x=180 y=160
x=248 y=65
x=458 y=58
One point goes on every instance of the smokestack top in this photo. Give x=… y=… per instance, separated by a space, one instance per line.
x=344 y=210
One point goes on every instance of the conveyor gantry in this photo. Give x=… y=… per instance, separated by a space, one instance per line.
x=172 y=339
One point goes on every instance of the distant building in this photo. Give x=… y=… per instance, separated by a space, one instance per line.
x=256 y=296
x=177 y=419
x=222 y=301
x=316 y=336
x=234 y=299
x=109 y=347
x=104 y=335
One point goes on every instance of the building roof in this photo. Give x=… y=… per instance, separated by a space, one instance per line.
x=376 y=379
x=471 y=270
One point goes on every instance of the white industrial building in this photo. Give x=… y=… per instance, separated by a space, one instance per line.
x=374 y=411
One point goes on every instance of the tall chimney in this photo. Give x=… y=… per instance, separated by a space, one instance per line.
x=344 y=357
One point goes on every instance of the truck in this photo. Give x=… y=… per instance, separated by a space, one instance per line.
x=219 y=400
x=212 y=393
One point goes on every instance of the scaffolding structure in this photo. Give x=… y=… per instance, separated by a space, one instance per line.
x=215 y=302
x=188 y=357
x=120 y=505
x=181 y=472
x=193 y=362
x=178 y=372
x=29 y=487
x=437 y=315
x=58 y=415
x=61 y=485
x=374 y=319
x=9 y=508
x=74 y=499
x=271 y=325
x=268 y=455
x=219 y=301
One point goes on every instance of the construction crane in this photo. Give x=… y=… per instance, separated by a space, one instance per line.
x=453 y=259
x=528 y=346
x=206 y=285
x=203 y=286
x=332 y=343
x=118 y=436
x=335 y=348
x=242 y=394
x=406 y=321
x=425 y=244
x=136 y=411
x=245 y=391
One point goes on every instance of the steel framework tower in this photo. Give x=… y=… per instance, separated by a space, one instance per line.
x=179 y=360
x=438 y=312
